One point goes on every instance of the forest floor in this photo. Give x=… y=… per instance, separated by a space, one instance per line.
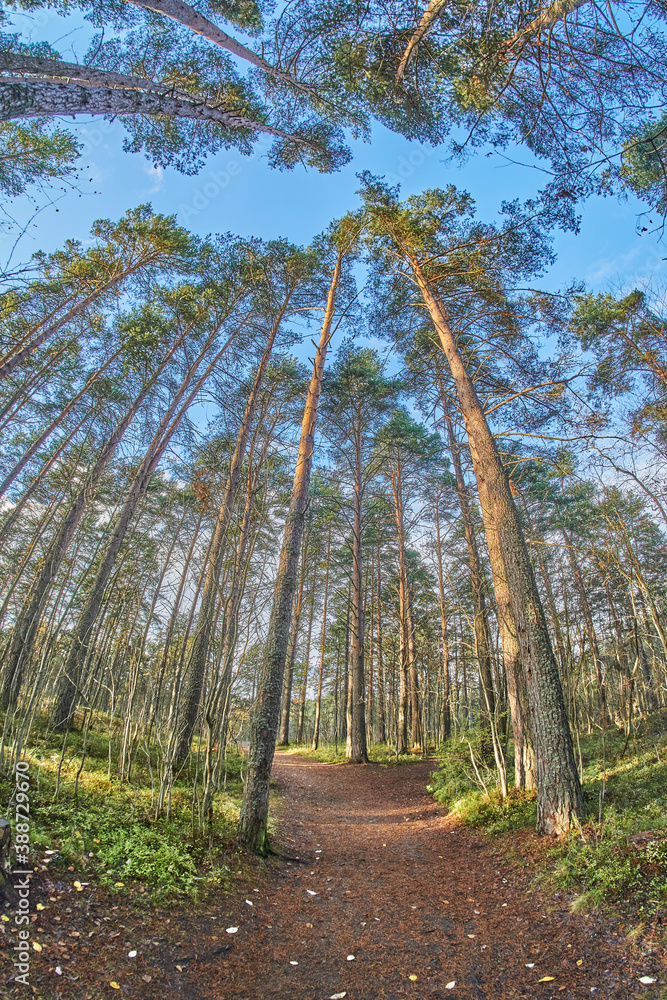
x=376 y=894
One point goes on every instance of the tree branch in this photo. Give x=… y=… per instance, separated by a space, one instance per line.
x=20 y=98
x=188 y=16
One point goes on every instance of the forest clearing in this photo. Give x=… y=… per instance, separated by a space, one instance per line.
x=333 y=499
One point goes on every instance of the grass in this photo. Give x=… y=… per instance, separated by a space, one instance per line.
x=330 y=753
x=620 y=854
x=108 y=830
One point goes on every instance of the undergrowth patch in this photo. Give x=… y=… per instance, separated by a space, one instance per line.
x=619 y=856
x=108 y=829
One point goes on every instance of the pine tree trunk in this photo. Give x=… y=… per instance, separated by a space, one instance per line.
x=286 y=701
x=382 y=731
x=446 y=695
x=318 y=701
x=357 y=749
x=306 y=662
x=66 y=694
x=203 y=637
x=30 y=615
x=559 y=795
x=481 y=624
x=255 y=806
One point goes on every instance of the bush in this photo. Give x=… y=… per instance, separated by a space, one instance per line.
x=145 y=855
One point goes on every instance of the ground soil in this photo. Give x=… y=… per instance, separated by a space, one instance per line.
x=368 y=866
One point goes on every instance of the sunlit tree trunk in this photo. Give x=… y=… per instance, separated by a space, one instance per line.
x=255 y=805
x=357 y=748
x=81 y=637
x=559 y=795
x=286 y=700
x=382 y=733
x=203 y=636
x=481 y=624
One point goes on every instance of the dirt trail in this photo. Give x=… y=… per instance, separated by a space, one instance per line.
x=380 y=873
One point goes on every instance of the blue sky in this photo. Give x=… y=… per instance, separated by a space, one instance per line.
x=243 y=195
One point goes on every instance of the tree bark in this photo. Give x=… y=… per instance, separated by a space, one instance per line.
x=559 y=794
x=590 y=628
x=382 y=734
x=286 y=701
x=203 y=637
x=481 y=623
x=255 y=806
x=78 y=652
x=20 y=98
x=446 y=695
x=318 y=701
x=358 y=751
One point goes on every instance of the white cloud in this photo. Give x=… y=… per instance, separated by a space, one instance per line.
x=156 y=175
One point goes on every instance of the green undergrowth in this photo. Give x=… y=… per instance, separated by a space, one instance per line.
x=330 y=753
x=620 y=854
x=106 y=830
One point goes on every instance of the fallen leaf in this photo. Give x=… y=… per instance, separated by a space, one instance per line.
x=131 y=954
x=147 y=979
x=114 y=985
x=36 y=946
x=546 y=979
x=77 y=885
x=40 y=906
x=337 y=996
x=180 y=968
x=118 y=885
x=310 y=892
x=5 y=918
x=351 y=958
x=58 y=970
x=232 y=930
x=249 y=902
x=412 y=977
x=309 y=925
x=646 y=980
x=530 y=965
x=450 y=986
x=294 y=963
x=580 y=961
x=471 y=935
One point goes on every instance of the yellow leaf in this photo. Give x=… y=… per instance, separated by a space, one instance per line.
x=118 y=885
x=5 y=918
x=546 y=979
x=40 y=906
x=413 y=977
x=36 y=946
x=580 y=961
x=78 y=886
x=114 y=985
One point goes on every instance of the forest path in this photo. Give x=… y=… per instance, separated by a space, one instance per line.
x=379 y=872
